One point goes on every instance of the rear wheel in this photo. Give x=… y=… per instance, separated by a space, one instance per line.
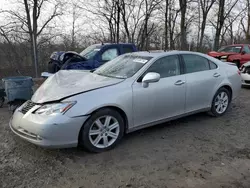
x=221 y=102
x=102 y=131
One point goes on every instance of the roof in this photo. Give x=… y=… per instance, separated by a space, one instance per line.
x=159 y=54
x=114 y=44
x=236 y=45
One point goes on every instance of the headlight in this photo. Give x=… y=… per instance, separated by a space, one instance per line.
x=223 y=57
x=55 y=108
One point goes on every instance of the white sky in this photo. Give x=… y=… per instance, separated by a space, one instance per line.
x=65 y=22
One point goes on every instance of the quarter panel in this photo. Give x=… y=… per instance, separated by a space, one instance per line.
x=201 y=87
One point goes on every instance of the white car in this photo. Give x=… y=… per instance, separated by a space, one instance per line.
x=245 y=74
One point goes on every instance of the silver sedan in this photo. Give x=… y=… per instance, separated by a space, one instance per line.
x=95 y=109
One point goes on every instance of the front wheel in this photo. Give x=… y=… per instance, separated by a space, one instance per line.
x=102 y=131
x=221 y=102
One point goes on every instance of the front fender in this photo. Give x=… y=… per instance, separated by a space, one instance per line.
x=117 y=95
x=232 y=58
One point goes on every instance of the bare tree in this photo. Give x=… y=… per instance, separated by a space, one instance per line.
x=173 y=15
x=206 y=6
x=183 y=34
x=222 y=15
x=248 y=22
x=166 y=24
x=29 y=22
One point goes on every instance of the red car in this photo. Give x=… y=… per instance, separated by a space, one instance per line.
x=236 y=53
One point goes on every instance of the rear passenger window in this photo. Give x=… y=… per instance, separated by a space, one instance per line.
x=195 y=63
x=212 y=65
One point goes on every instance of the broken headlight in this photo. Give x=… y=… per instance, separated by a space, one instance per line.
x=55 y=108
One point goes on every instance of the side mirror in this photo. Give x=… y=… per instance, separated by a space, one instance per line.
x=150 y=77
x=243 y=52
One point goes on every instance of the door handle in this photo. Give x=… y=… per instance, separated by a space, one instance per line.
x=179 y=82
x=216 y=74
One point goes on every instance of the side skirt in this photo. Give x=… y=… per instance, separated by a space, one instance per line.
x=129 y=130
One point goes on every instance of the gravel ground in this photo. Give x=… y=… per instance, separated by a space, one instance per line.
x=198 y=151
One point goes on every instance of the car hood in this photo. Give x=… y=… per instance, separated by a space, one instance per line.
x=217 y=54
x=66 y=83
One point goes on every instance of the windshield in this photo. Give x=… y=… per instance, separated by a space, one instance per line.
x=123 y=66
x=90 y=51
x=235 y=49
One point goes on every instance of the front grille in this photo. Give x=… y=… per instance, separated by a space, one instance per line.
x=247 y=81
x=27 y=106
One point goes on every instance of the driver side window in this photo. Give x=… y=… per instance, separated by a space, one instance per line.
x=166 y=66
x=109 y=54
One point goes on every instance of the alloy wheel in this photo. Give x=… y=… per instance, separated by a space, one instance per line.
x=221 y=102
x=104 y=131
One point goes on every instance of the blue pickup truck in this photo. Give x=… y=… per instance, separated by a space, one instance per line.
x=90 y=58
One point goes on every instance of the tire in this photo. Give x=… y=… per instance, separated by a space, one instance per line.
x=1 y=102
x=104 y=137
x=218 y=107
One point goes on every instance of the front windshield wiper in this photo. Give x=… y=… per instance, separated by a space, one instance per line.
x=110 y=76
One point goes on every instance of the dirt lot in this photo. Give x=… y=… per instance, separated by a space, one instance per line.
x=197 y=151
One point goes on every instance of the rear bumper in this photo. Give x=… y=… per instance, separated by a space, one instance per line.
x=45 y=131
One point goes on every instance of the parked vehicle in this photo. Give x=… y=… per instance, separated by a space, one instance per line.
x=245 y=74
x=133 y=91
x=237 y=53
x=90 y=58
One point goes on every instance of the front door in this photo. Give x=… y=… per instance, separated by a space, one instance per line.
x=163 y=99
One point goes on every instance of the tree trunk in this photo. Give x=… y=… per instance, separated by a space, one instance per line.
x=220 y=22
x=183 y=8
x=118 y=21
x=123 y=12
x=248 y=22
x=203 y=26
x=166 y=26
x=199 y=27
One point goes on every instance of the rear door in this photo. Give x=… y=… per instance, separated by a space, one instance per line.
x=202 y=76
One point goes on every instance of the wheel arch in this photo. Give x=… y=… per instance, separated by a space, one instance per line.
x=228 y=87
x=119 y=110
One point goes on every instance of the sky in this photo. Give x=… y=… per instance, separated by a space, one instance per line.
x=84 y=22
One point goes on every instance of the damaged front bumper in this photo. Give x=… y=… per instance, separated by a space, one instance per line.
x=47 y=131
x=245 y=74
